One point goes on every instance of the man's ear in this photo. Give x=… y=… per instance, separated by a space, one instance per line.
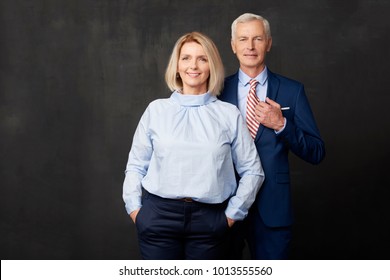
x=233 y=46
x=269 y=44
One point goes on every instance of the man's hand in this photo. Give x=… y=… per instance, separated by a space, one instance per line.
x=268 y=113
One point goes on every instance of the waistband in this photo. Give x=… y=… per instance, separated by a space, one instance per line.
x=186 y=200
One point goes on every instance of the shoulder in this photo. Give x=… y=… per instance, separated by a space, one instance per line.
x=159 y=103
x=226 y=114
x=231 y=79
x=229 y=87
x=156 y=108
x=227 y=108
x=284 y=80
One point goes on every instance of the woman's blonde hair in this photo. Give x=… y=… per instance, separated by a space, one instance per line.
x=215 y=81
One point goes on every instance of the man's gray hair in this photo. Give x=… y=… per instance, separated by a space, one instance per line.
x=249 y=17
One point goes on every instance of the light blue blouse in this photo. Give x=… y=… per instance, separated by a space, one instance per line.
x=188 y=146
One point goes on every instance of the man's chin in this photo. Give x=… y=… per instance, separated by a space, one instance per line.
x=251 y=64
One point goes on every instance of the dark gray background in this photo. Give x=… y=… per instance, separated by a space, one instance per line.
x=77 y=75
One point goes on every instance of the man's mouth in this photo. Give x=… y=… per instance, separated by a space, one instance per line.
x=250 y=55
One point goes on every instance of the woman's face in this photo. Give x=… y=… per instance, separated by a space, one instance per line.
x=193 y=68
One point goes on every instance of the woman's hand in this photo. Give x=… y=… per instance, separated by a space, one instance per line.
x=230 y=222
x=133 y=215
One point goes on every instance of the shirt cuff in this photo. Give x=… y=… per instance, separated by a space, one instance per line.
x=279 y=131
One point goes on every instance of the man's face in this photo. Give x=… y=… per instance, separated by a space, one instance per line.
x=251 y=45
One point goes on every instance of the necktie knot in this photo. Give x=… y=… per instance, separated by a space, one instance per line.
x=253 y=83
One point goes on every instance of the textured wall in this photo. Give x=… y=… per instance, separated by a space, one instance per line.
x=77 y=75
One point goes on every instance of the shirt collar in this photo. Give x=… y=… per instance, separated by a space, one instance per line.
x=188 y=100
x=261 y=78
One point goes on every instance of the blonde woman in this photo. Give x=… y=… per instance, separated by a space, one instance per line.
x=180 y=187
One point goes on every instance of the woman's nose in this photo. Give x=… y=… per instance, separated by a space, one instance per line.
x=193 y=64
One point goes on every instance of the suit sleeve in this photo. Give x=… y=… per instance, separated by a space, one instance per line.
x=301 y=132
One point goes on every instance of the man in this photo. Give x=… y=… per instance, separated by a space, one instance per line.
x=282 y=122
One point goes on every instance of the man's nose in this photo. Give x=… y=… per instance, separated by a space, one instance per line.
x=250 y=44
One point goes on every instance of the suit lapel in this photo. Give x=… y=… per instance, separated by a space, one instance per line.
x=231 y=93
x=273 y=86
x=272 y=92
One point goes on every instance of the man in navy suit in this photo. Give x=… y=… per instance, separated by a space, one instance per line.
x=286 y=123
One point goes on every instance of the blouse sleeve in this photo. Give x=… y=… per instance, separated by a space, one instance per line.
x=137 y=164
x=249 y=169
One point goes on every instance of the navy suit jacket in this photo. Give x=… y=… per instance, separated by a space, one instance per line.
x=300 y=136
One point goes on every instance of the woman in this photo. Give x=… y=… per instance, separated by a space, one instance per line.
x=180 y=187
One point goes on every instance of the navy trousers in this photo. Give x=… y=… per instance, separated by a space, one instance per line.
x=176 y=229
x=267 y=243
x=264 y=243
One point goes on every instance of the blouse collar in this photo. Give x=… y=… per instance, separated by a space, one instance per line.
x=188 y=100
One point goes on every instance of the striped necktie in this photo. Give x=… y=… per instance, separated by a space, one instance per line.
x=252 y=101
